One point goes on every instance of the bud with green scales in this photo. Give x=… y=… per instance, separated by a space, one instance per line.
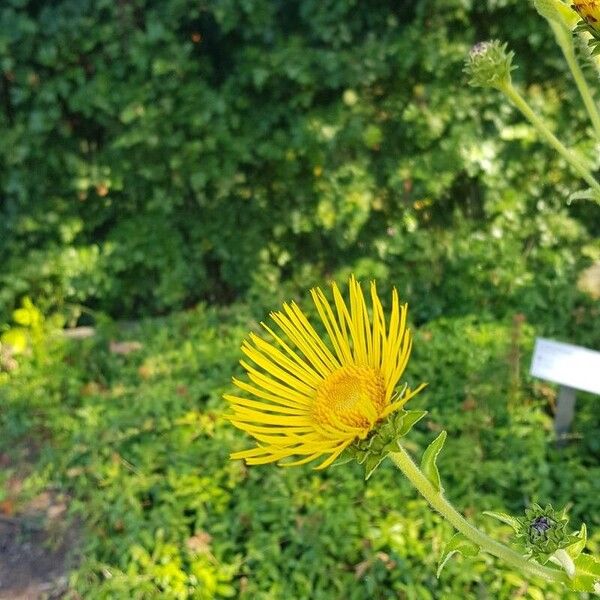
x=489 y=64
x=543 y=531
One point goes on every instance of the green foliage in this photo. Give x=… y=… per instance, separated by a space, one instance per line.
x=156 y=153
x=139 y=443
x=587 y=574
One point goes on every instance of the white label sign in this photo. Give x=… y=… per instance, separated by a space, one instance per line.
x=569 y=365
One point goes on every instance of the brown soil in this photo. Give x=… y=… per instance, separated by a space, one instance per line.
x=34 y=557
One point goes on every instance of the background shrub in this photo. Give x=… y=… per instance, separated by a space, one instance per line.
x=160 y=153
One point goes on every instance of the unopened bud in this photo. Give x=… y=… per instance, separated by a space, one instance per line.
x=489 y=65
x=544 y=531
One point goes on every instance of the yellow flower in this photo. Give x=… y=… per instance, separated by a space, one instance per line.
x=589 y=11
x=309 y=398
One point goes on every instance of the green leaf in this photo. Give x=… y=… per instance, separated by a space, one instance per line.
x=410 y=419
x=574 y=550
x=504 y=518
x=587 y=574
x=458 y=543
x=428 y=462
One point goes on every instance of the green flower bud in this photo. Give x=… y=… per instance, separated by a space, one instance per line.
x=489 y=65
x=543 y=531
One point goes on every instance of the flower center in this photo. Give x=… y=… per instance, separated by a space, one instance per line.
x=351 y=397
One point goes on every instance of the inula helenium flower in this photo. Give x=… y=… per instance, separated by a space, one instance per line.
x=310 y=396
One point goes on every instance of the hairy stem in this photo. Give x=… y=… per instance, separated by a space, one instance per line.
x=437 y=501
x=564 y=39
x=571 y=157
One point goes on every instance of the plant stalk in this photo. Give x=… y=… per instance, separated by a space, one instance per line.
x=437 y=501
x=576 y=162
x=564 y=39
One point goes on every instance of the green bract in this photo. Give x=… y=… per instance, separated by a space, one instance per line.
x=372 y=450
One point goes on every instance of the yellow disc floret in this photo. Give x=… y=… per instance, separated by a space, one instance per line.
x=351 y=398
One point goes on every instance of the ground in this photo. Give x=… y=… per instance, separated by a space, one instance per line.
x=36 y=544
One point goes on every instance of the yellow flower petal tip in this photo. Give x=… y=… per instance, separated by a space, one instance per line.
x=310 y=396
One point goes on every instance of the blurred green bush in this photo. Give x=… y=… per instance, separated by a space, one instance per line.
x=158 y=153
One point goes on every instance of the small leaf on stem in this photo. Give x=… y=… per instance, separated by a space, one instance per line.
x=409 y=420
x=575 y=549
x=428 y=462
x=504 y=518
x=458 y=543
x=587 y=573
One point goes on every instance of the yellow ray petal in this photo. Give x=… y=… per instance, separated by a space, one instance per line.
x=300 y=340
x=357 y=324
x=378 y=339
x=408 y=394
x=283 y=410
x=272 y=369
x=271 y=385
x=300 y=371
x=339 y=341
x=295 y=357
x=333 y=456
x=403 y=356
x=258 y=393
x=253 y=416
x=252 y=429
x=302 y=461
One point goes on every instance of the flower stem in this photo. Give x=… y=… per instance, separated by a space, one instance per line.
x=564 y=39
x=576 y=162
x=437 y=501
